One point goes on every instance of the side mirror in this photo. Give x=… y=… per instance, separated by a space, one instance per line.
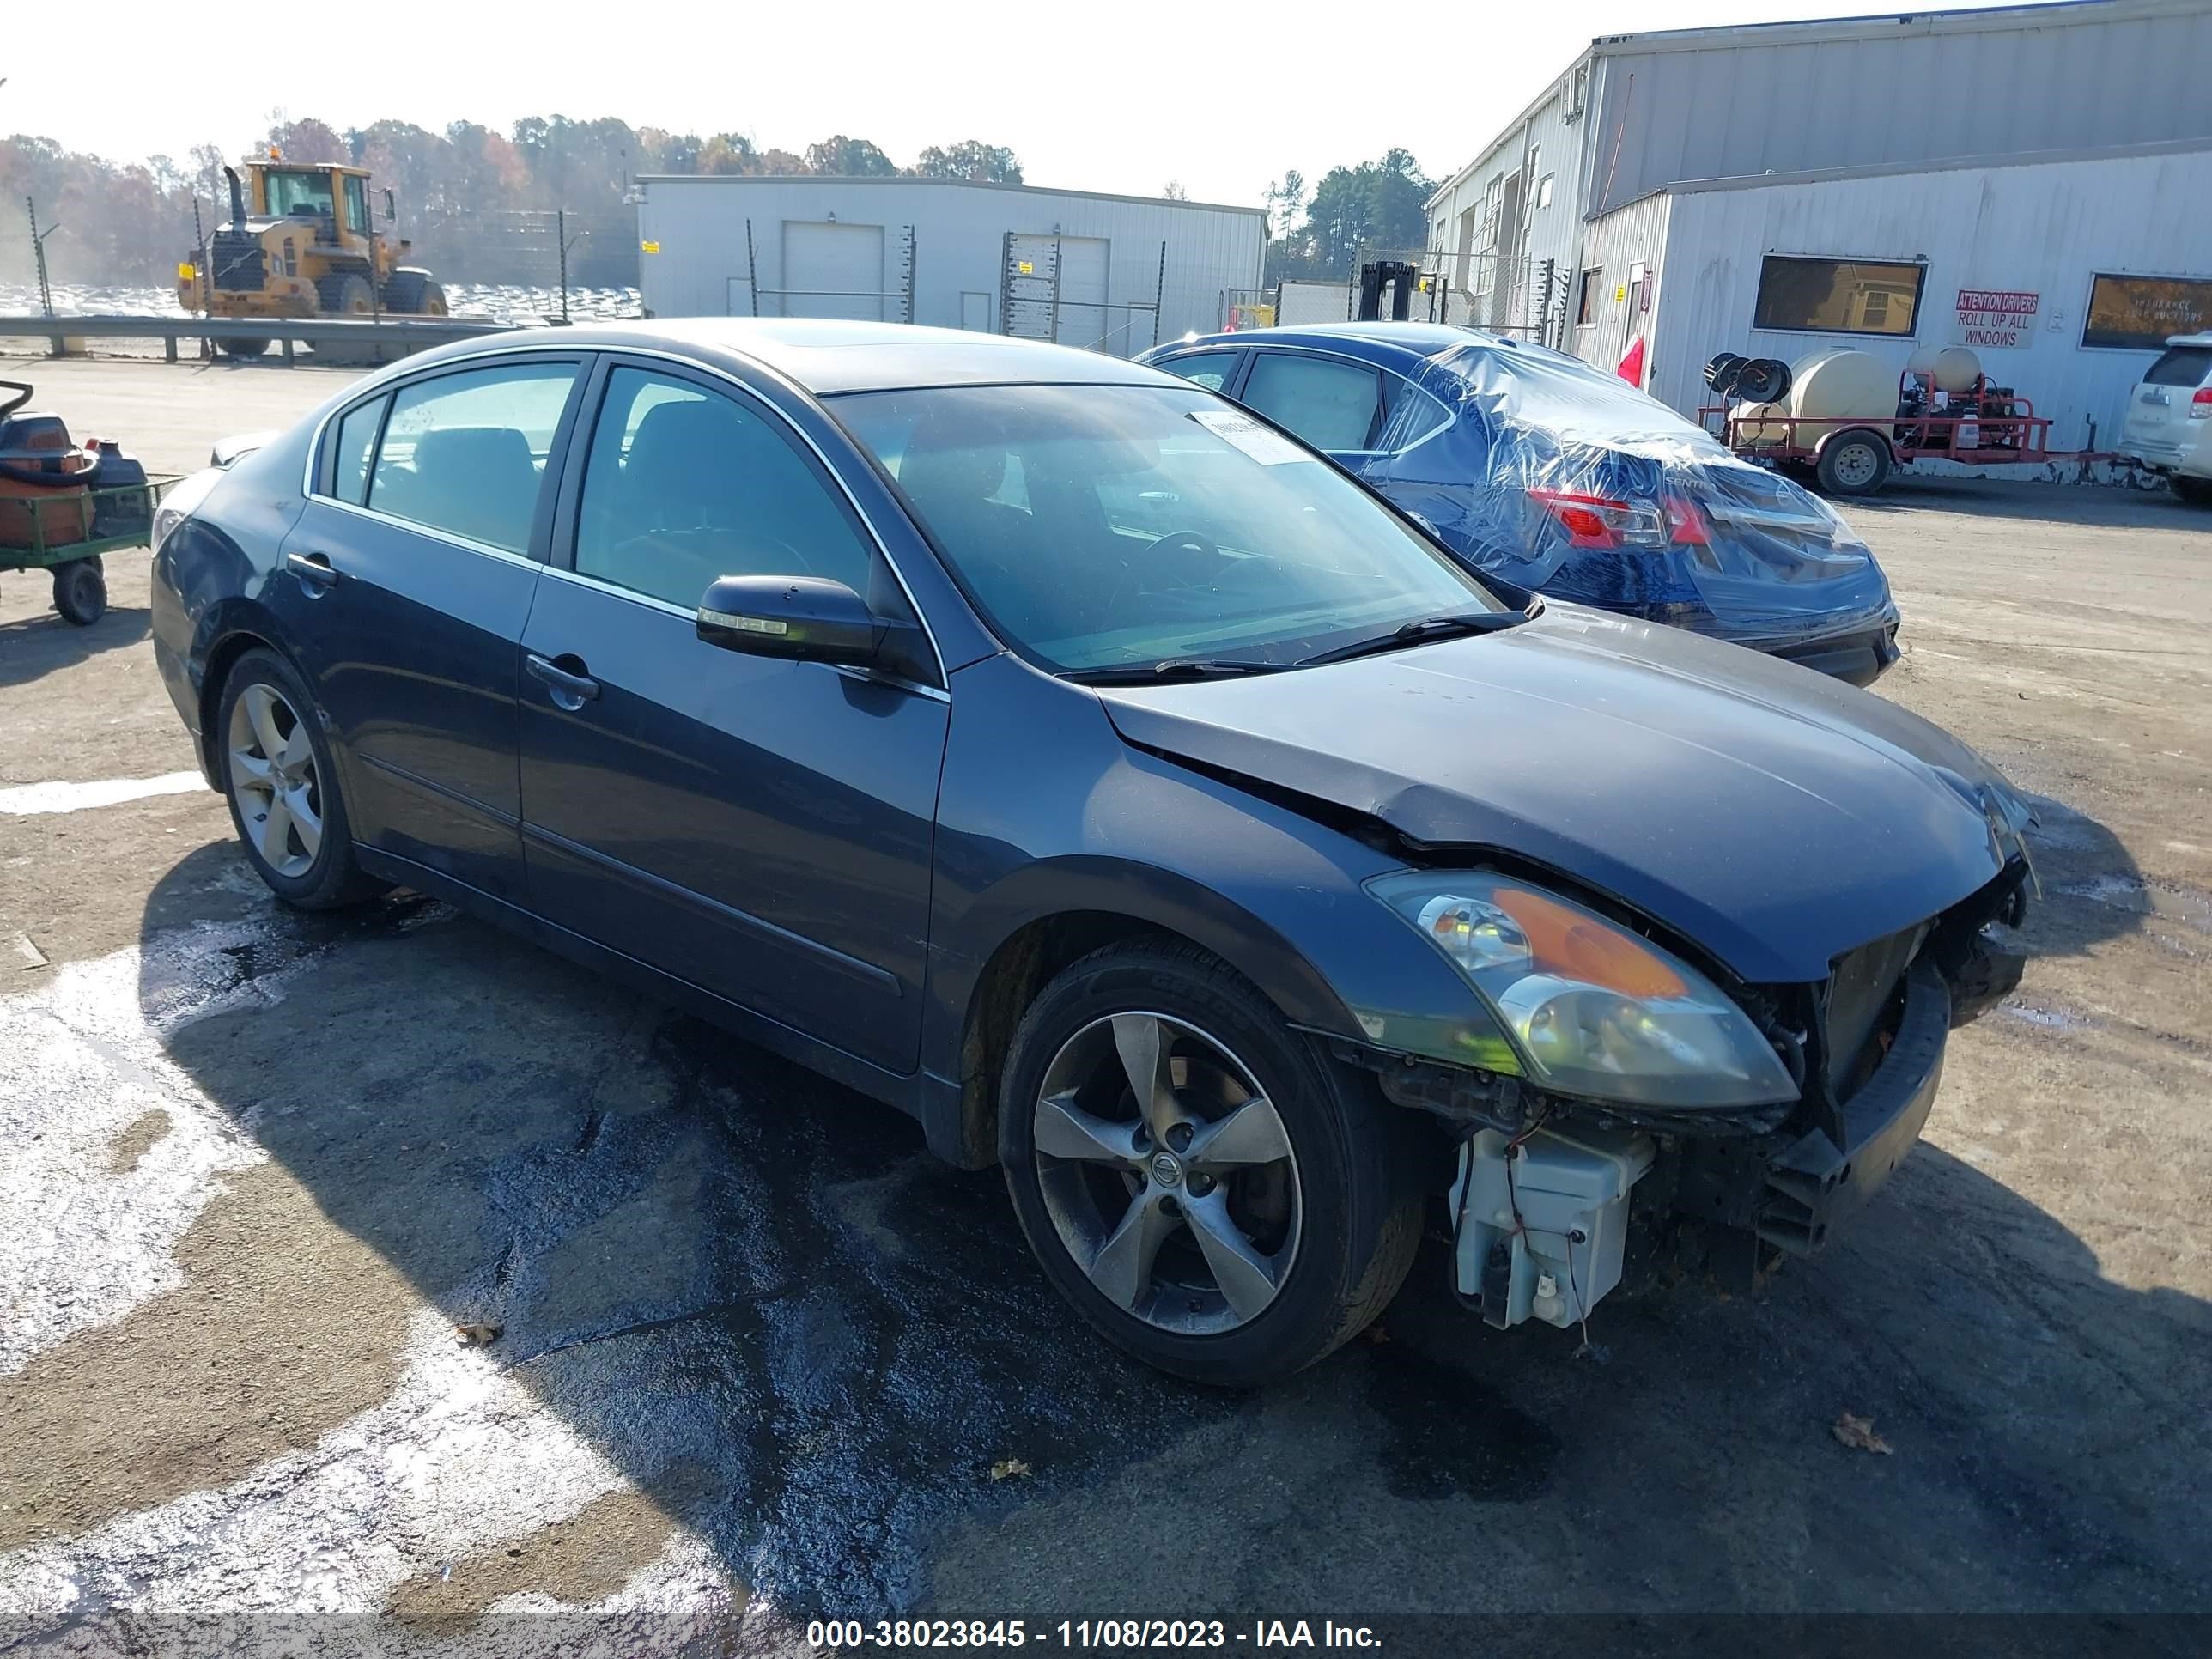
x=803 y=618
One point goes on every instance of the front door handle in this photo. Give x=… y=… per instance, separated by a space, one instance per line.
x=314 y=572
x=570 y=690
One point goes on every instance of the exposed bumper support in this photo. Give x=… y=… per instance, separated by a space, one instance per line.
x=1815 y=1182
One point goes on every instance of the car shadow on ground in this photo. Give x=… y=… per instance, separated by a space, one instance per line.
x=832 y=1358
x=32 y=647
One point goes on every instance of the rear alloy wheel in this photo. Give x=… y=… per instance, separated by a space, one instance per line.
x=1204 y=1185
x=282 y=789
x=1856 y=463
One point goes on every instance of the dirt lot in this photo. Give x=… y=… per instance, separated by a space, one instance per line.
x=758 y=1355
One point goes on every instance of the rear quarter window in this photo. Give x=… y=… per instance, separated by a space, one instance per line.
x=2189 y=366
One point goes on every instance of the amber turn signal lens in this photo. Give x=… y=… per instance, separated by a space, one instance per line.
x=1563 y=941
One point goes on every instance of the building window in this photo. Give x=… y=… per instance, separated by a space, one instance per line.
x=1839 y=297
x=1586 y=310
x=1544 y=191
x=2135 y=313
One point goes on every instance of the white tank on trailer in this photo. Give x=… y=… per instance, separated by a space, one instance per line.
x=1761 y=425
x=1955 y=370
x=1838 y=387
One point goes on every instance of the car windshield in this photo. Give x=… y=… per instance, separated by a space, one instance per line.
x=1109 y=527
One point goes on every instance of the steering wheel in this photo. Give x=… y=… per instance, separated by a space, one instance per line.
x=1189 y=538
x=1138 y=567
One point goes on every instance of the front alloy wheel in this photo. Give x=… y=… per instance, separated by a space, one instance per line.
x=1167 y=1173
x=1205 y=1185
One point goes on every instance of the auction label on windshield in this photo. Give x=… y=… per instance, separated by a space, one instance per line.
x=1263 y=444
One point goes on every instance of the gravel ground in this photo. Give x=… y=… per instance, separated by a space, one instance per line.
x=759 y=1359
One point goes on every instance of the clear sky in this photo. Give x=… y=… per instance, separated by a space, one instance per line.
x=1120 y=96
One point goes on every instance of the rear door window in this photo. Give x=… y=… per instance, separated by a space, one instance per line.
x=1414 y=416
x=2189 y=366
x=1331 y=403
x=1211 y=369
x=356 y=446
x=465 y=453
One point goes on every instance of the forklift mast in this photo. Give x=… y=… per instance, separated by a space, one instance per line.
x=1398 y=277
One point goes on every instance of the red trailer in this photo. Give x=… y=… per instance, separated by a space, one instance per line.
x=1982 y=426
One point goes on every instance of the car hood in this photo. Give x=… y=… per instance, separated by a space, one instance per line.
x=1772 y=816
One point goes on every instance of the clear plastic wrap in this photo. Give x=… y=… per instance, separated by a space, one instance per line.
x=1552 y=475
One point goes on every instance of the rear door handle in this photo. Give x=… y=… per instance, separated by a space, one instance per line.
x=313 y=570
x=570 y=690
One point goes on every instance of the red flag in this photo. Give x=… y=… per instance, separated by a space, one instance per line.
x=1631 y=362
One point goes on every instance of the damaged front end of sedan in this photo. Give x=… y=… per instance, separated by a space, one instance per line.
x=1624 y=1117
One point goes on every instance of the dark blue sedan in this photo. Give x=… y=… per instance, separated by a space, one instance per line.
x=1539 y=469
x=1054 y=749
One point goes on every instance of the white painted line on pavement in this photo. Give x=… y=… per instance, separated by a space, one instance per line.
x=28 y=798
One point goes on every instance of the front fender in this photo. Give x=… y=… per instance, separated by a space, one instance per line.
x=1089 y=824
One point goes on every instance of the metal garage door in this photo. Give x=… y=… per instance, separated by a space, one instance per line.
x=823 y=264
x=1084 y=320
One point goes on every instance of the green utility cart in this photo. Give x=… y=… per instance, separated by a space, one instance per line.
x=61 y=532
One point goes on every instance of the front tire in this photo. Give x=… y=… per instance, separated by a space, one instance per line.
x=1254 y=1212
x=2197 y=492
x=283 y=787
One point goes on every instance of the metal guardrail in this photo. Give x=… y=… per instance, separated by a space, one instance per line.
x=367 y=341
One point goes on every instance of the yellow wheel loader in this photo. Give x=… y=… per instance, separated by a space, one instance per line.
x=301 y=243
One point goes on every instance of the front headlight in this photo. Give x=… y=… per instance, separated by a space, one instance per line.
x=1592 y=1009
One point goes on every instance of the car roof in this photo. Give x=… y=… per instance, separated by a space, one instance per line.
x=828 y=355
x=1402 y=344
x=2203 y=339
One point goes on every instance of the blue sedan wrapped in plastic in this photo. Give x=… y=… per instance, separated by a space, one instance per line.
x=1538 y=469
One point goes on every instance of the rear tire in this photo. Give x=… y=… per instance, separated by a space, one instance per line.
x=347 y=298
x=2197 y=492
x=345 y=295
x=244 y=351
x=1258 y=1252
x=1854 y=463
x=277 y=773
x=81 y=591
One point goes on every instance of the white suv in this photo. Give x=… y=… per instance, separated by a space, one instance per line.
x=2169 y=424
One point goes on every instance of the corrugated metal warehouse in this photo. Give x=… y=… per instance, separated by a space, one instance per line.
x=2062 y=273
x=1114 y=273
x=1638 y=112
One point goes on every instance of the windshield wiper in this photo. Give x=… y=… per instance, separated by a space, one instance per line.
x=1175 y=668
x=1419 y=633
